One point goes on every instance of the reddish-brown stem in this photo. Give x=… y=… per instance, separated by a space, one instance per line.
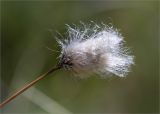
x=28 y=86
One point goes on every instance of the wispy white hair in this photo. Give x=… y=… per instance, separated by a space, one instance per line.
x=96 y=49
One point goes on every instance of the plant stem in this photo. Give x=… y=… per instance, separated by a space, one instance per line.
x=28 y=86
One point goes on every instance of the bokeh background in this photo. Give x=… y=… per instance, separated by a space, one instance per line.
x=28 y=27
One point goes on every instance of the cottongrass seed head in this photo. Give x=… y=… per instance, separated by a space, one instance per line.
x=94 y=49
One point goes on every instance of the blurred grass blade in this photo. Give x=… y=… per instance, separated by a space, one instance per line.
x=45 y=102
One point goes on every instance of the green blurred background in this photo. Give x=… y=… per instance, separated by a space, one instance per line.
x=28 y=27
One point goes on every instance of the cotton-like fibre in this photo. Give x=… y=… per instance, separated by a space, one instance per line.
x=96 y=49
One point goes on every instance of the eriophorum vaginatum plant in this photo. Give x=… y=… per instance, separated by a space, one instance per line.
x=89 y=49
x=96 y=49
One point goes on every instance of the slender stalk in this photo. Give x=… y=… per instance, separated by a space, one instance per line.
x=28 y=86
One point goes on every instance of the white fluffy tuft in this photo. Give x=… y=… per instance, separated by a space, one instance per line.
x=95 y=49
